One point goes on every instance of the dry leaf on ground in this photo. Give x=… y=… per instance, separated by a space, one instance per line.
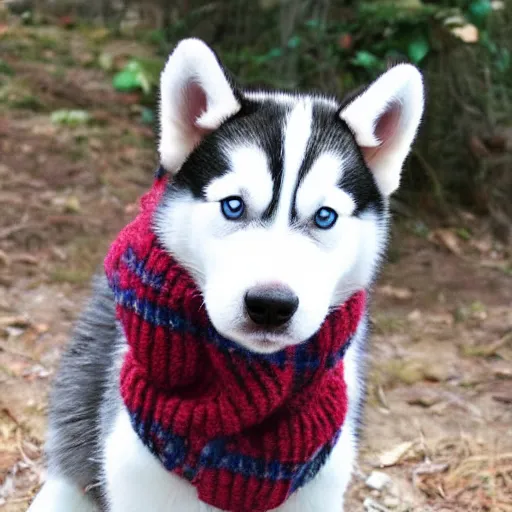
x=395 y=455
x=395 y=292
x=447 y=239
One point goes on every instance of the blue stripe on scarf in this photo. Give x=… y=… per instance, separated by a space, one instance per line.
x=137 y=266
x=149 y=311
x=171 y=450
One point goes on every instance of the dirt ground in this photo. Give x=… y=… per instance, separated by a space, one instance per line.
x=438 y=426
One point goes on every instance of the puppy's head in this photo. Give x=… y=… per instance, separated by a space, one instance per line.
x=278 y=202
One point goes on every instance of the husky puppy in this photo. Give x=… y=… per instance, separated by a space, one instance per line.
x=282 y=193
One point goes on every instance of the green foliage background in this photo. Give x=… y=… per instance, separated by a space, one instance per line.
x=464 y=47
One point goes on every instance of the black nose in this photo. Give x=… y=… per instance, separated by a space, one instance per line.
x=271 y=307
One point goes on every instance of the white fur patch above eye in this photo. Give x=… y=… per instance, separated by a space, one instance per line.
x=320 y=188
x=296 y=134
x=249 y=177
x=341 y=202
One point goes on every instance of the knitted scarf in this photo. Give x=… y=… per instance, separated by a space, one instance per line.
x=245 y=429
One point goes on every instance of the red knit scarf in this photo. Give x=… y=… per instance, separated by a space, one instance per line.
x=245 y=429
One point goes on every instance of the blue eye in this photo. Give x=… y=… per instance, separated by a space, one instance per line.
x=325 y=218
x=232 y=207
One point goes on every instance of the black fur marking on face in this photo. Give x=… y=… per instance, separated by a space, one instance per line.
x=259 y=123
x=262 y=123
x=330 y=134
x=358 y=181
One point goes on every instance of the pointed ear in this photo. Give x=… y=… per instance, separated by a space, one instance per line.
x=195 y=98
x=384 y=120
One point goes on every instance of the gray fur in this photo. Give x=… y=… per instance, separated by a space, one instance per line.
x=74 y=431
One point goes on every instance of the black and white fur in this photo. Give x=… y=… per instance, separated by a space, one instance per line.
x=286 y=155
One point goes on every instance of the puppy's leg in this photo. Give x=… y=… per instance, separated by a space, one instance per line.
x=61 y=495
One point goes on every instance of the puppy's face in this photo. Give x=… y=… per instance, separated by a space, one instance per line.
x=278 y=206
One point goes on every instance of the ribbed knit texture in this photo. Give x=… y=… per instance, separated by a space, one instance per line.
x=245 y=429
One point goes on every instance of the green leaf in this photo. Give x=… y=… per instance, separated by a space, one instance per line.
x=313 y=23
x=138 y=74
x=125 y=81
x=464 y=233
x=274 y=53
x=70 y=117
x=418 y=49
x=479 y=11
x=366 y=60
x=294 y=42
